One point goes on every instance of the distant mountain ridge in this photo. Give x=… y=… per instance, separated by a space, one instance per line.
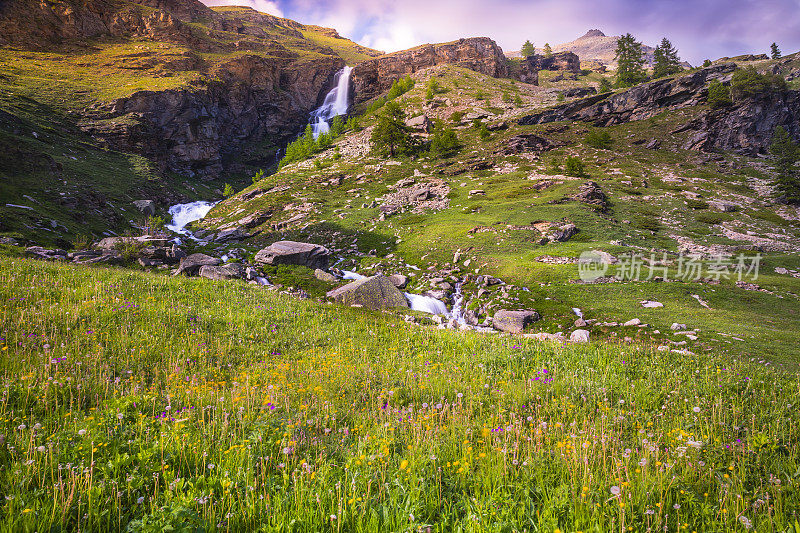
x=595 y=45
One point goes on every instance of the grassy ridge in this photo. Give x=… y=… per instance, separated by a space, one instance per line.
x=132 y=400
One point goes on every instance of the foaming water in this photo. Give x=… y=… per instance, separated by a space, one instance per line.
x=184 y=214
x=335 y=103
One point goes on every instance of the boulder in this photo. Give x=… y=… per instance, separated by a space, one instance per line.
x=398 y=280
x=294 y=253
x=223 y=272
x=324 y=276
x=145 y=207
x=513 y=321
x=110 y=243
x=590 y=193
x=564 y=233
x=651 y=304
x=579 y=335
x=724 y=207
x=420 y=123
x=376 y=292
x=632 y=322
x=190 y=265
x=230 y=235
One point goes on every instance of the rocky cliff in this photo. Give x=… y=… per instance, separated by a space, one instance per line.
x=193 y=131
x=375 y=76
x=527 y=69
x=745 y=128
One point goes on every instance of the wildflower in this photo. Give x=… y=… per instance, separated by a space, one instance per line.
x=41 y=449
x=21 y=427
x=696 y=409
x=81 y=432
x=140 y=500
x=615 y=490
x=211 y=466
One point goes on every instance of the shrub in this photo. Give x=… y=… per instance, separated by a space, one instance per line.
x=719 y=95
x=518 y=101
x=712 y=218
x=257 y=176
x=696 y=204
x=506 y=97
x=574 y=167
x=483 y=132
x=444 y=142
x=479 y=95
x=599 y=139
x=456 y=117
x=228 y=190
x=400 y=87
x=748 y=83
x=605 y=86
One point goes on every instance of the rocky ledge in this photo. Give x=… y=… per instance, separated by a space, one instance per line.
x=375 y=76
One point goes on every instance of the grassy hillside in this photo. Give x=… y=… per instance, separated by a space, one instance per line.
x=145 y=402
x=660 y=201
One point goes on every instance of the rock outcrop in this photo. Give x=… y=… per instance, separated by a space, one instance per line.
x=638 y=103
x=746 y=128
x=191 y=131
x=375 y=76
x=530 y=66
x=376 y=292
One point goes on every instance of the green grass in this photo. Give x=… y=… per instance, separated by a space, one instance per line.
x=147 y=402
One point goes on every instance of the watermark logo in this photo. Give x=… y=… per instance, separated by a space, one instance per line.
x=692 y=267
x=592 y=265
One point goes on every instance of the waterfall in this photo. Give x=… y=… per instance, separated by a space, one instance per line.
x=458 y=301
x=335 y=103
x=183 y=214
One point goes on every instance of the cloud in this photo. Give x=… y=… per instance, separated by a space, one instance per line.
x=265 y=6
x=707 y=29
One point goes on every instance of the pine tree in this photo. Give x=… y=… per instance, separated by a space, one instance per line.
x=548 y=52
x=528 y=49
x=391 y=133
x=630 y=61
x=786 y=154
x=666 y=60
x=775 y=52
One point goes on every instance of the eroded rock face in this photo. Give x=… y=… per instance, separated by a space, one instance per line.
x=375 y=76
x=376 y=292
x=191 y=131
x=294 y=253
x=638 y=103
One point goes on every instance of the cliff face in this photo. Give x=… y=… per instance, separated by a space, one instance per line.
x=527 y=70
x=745 y=128
x=375 y=76
x=194 y=131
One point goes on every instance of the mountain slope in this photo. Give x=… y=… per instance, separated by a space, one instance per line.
x=594 y=45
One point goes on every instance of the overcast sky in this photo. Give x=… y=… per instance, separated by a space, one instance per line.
x=699 y=29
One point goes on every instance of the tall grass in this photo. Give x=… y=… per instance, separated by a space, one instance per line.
x=143 y=402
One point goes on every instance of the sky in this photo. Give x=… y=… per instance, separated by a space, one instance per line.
x=699 y=29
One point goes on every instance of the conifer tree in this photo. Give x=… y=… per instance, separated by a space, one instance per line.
x=528 y=49
x=666 y=60
x=775 y=52
x=548 y=52
x=786 y=154
x=390 y=133
x=630 y=61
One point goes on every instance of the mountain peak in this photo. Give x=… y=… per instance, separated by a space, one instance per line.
x=593 y=33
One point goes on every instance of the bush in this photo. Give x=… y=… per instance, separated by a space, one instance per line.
x=518 y=101
x=696 y=204
x=605 y=86
x=712 y=218
x=599 y=139
x=574 y=167
x=456 y=117
x=228 y=190
x=484 y=133
x=400 y=87
x=257 y=176
x=748 y=83
x=719 y=95
x=444 y=142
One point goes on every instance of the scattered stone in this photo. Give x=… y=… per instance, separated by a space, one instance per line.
x=579 y=335
x=513 y=321
x=230 y=235
x=632 y=322
x=556 y=337
x=421 y=123
x=39 y=252
x=653 y=144
x=376 y=292
x=477 y=192
x=580 y=323
x=677 y=327
x=398 y=280
x=563 y=233
x=190 y=266
x=294 y=253
x=651 y=304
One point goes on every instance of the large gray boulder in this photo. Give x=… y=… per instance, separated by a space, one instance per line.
x=145 y=207
x=190 y=265
x=223 y=272
x=377 y=292
x=514 y=321
x=294 y=253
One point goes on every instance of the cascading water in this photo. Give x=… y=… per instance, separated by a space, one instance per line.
x=183 y=214
x=335 y=103
x=417 y=302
